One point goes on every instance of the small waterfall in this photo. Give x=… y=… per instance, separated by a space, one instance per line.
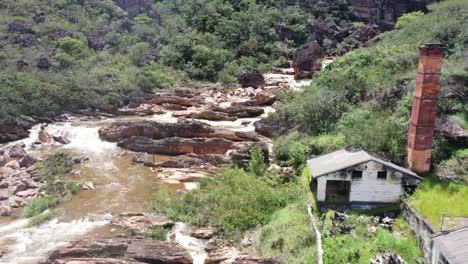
x=30 y=244
x=195 y=246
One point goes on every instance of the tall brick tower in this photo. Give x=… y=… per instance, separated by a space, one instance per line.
x=423 y=113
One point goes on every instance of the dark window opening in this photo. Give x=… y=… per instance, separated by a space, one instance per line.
x=337 y=191
x=382 y=175
x=356 y=175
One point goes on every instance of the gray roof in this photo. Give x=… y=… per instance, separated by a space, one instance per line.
x=343 y=158
x=453 y=245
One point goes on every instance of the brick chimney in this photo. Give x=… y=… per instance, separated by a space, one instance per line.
x=423 y=113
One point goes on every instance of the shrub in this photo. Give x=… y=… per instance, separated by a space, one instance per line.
x=156 y=233
x=43 y=217
x=257 y=164
x=72 y=46
x=233 y=200
x=326 y=143
x=39 y=205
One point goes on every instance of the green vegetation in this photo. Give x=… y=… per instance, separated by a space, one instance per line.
x=366 y=240
x=97 y=53
x=156 y=233
x=435 y=198
x=54 y=170
x=257 y=164
x=233 y=200
x=43 y=217
x=39 y=205
x=363 y=98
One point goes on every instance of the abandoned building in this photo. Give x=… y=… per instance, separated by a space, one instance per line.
x=451 y=247
x=359 y=179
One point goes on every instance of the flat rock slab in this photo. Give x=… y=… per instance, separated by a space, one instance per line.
x=120 y=249
x=138 y=223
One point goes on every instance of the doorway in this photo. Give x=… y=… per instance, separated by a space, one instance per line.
x=337 y=191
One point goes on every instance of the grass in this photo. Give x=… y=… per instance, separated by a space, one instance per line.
x=39 y=205
x=287 y=235
x=43 y=217
x=156 y=233
x=434 y=198
x=362 y=245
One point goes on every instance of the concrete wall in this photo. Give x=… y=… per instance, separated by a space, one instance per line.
x=421 y=229
x=369 y=188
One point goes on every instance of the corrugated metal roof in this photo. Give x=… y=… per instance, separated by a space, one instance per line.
x=343 y=158
x=454 y=245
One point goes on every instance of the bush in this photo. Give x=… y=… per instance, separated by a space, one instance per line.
x=72 y=46
x=43 y=217
x=233 y=200
x=326 y=143
x=257 y=164
x=39 y=205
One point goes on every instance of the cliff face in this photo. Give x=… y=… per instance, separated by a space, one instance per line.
x=385 y=12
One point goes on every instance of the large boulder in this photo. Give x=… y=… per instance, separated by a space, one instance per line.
x=140 y=250
x=136 y=7
x=307 y=60
x=97 y=38
x=177 y=146
x=25 y=40
x=160 y=99
x=15 y=128
x=250 y=77
x=43 y=62
x=211 y=115
x=240 y=111
x=39 y=17
x=272 y=126
x=20 y=26
x=450 y=128
x=241 y=156
x=155 y=130
x=140 y=223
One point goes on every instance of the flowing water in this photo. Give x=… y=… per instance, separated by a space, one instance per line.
x=121 y=186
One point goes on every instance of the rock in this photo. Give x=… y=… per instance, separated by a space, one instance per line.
x=5 y=210
x=79 y=160
x=59 y=33
x=14 y=128
x=20 y=26
x=21 y=64
x=204 y=232
x=39 y=17
x=272 y=125
x=140 y=223
x=250 y=77
x=43 y=62
x=28 y=193
x=241 y=156
x=16 y=151
x=175 y=107
x=253 y=260
x=97 y=38
x=143 y=250
x=449 y=127
x=3 y=160
x=218 y=251
x=211 y=115
x=25 y=40
x=193 y=160
x=6 y=171
x=141 y=157
x=62 y=140
x=177 y=146
x=88 y=185
x=4 y=195
x=307 y=60
x=27 y=161
x=18 y=187
x=14 y=164
x=264 y=99
x=365 y=33
x=160 y=99
x=155 y=130
x=240 y=111
x=136 y=7
x=93 y=261
x=387 y=257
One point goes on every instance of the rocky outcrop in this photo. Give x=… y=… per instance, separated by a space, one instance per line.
x=385 y=13
x=241 y=156
x=140 y=223
x=250 y=77
x=20 y=26
x=117 y=249
x=14 y=128
x=192 y=160
x=43 y=62
x=387 y=257
x=136 y=7
x=97 y=38
x=211 y=115
x=450 y=128
x=177 y=146
x=183 y=129
x=160 y=99
x=39 y=17
x=307 y=60
x=25 y=40
x=272 y=125
x=240 y=111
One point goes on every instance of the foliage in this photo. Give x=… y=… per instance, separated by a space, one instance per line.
x=257 y=164
x=326 y=143
x=287 y=235
x=39 y=205
x=233 y=200
x=43 y=217
x=435 y=198
x=363 y=245
x=456 y=168
x=156 y=233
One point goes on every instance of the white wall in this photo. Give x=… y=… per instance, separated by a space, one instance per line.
x=369 y=188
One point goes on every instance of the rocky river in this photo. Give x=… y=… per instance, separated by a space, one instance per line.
x=186 y=133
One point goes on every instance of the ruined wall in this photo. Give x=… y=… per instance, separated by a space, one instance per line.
x=421 y=229
x=369 y=188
